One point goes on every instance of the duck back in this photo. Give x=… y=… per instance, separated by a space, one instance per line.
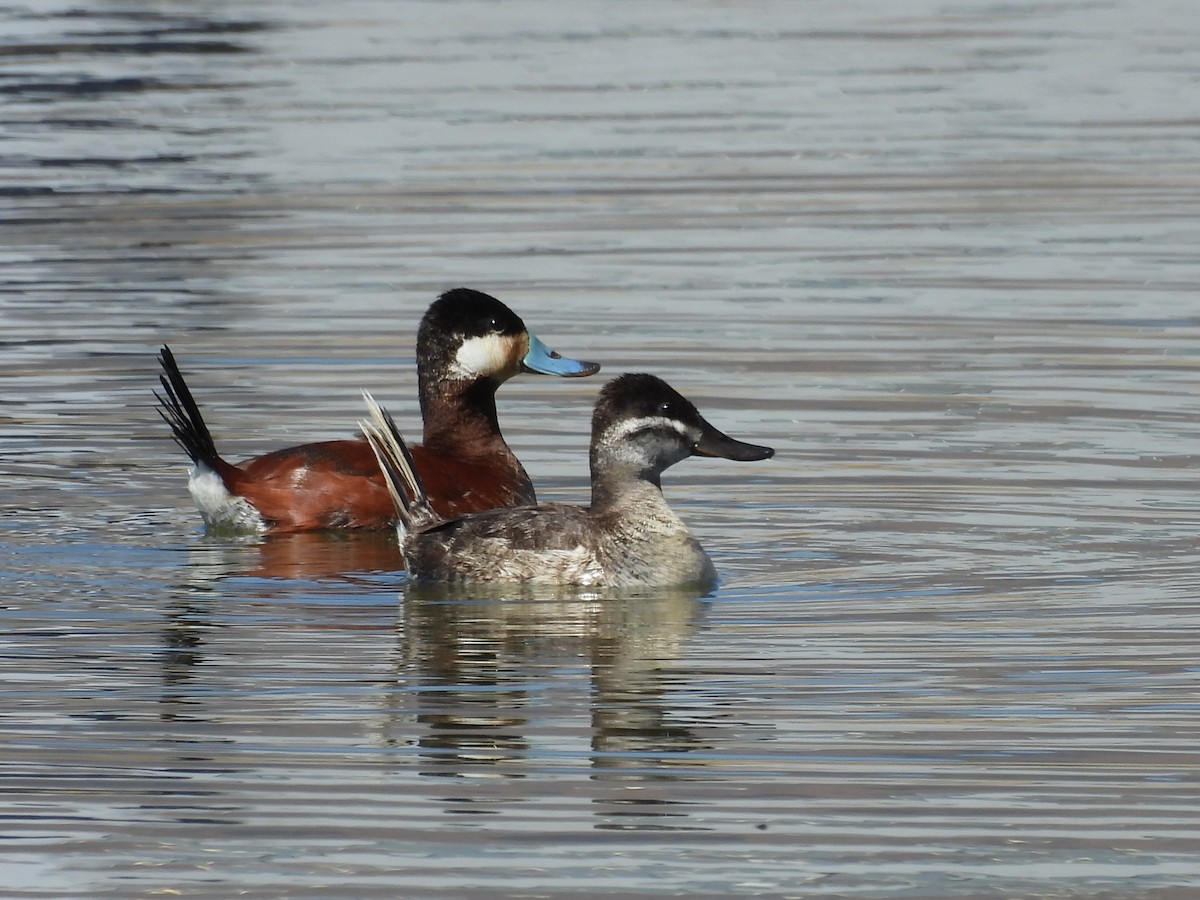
x=639 y=541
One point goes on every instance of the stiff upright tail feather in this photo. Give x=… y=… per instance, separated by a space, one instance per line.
x=403 y=482
x=179 y=410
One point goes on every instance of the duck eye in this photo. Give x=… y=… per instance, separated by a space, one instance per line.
x=495 y=326
x=664 y=408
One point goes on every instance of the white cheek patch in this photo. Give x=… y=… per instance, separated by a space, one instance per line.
x=624 y=429
x=486 y=355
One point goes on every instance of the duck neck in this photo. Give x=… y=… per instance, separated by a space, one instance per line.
x=613 y=492
x=461 y=416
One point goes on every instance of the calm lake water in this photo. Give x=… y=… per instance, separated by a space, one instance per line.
x=942 y=256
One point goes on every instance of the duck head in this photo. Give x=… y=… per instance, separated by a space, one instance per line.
x=642 y=426
x=467 y=335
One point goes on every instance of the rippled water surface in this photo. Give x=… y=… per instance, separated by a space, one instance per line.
x=942 y=256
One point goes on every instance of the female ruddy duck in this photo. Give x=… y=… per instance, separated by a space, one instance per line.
x=468 y=344
x=628 y=537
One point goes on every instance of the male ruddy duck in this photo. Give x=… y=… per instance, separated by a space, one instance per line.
x=628 y=537
x=468 y=344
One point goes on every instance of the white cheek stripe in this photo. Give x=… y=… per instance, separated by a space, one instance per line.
x=484 y=355
x=624 y=429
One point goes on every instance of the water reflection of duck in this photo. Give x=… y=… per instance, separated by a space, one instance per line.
x=629 y=536
x=321 y=555
x=491 y=675
x=468 y=344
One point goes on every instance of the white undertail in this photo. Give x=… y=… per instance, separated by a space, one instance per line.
x=218 y=506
